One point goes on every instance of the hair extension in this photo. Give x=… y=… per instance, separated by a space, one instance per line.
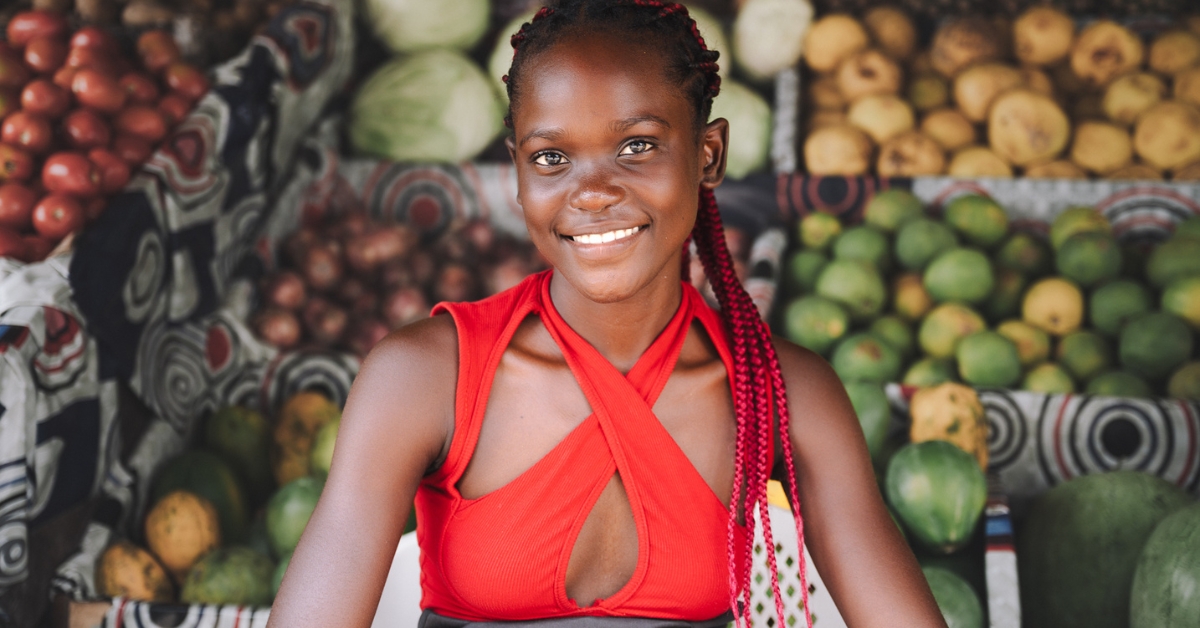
x=759 y=394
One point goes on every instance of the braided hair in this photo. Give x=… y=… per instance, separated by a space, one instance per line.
x=759 y=394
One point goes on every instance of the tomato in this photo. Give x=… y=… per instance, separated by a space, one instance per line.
x=157 y=49
x=9 y=102
x=114 y=172
x=93 y=37
x=71 y=173
x=97 y=90
x=133 y=149
x=85 y=129
x=106 y=63
x=13 y=73
x=140 y=88
x=174 y=108
x=27 y=26
x=43 y=97
x=44 y=55
x=142 y=121
x=12 y=245
x=16 y=206
x=27 y=130
x=15 y=164
x=187 y=80
x=37 y=248
x=57 y=215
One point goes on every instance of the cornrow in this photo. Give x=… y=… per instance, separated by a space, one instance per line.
x=759 y=394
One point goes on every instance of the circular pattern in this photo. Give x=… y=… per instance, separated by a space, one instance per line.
x=174 y=375
x=1124 y=436
x=1008 y=433
x=145 y=278
x=14 y=554
x=1145 y=213
x=429 y=198
x=327 y=372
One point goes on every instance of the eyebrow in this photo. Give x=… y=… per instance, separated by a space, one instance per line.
x=618 y=126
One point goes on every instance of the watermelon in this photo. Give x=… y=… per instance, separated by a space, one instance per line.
x=243 y=438
x=955 y=598
x=939 y=491
x=288 y=512
x=1166 y=581
x=1079 y=544
x=229 y=575
x=206 y=474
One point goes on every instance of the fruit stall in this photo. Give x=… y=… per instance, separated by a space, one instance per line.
x=987 y=219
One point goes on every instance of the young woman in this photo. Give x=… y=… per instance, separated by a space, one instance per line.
x=588 y=446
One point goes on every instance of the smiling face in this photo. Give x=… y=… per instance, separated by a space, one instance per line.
x=609 y=163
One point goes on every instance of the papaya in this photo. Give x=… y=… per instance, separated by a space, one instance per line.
x=288 y=512
x=243 y=438
x=297 y=425
x=208 y=475
x=957 y=601
x=126 y=570
x=938 y=491
x=890 y=209
x=951 y=412
x=230 y=575
x=180 y=528
x=1164 y=592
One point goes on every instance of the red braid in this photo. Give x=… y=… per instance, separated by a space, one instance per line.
x=759 y=395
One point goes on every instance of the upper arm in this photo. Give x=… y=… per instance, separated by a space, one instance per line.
x=860 y=553
x=397 y=418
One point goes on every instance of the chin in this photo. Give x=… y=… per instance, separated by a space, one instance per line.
x=608 y=285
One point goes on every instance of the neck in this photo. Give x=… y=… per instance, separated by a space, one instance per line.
x=621 y=331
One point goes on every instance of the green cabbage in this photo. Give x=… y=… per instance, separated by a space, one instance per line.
x=768 y=35
x=434 y=106
x=502 y=54
x=412 y=25
x=713 y=33
x=749 y=119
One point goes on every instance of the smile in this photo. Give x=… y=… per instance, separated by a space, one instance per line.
x=603 y=238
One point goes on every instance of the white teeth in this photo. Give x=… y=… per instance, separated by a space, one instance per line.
x=608 y=236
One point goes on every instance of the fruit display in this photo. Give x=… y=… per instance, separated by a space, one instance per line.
x=908 y=297
x=78 y=118
x=1035 y=96
x=217 y=531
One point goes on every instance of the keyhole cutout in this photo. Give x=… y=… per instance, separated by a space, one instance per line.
x=605 y=554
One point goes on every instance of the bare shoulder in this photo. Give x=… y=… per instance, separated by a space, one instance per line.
x=807 y=376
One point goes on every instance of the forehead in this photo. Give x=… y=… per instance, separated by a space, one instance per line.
x=600 y=75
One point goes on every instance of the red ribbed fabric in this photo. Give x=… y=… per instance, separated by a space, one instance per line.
x=503 y=556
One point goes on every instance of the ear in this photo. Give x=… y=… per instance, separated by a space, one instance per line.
x=713 y=142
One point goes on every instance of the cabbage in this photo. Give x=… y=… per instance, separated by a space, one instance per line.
x=432 y=106
x=749 y=119
x=502 y=54
x=768 y=35
x=713 y=33
x=412 y=25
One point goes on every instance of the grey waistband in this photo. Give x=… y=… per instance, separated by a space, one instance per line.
x=430 y=619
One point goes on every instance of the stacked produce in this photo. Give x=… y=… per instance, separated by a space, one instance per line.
x=78 y=118
x=1037 y=97
x=911 y=298
x=346 y=283
x=218 y=530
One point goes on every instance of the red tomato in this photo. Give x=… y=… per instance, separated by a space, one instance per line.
x=13 y=73
x=26 y=26
x=37 y=248
x=140 y=88
x=106 y=63
x=64 y=76
x=97 y=90
x=85 y=129
x=133 y=149
x=93 y=37
x=187 y=80
x=45 y=55
x=16 y=206
x=174 y=108
x=142 y=121
x=114 y=172
x=57 y=215
x=157 y=49
x=43 y=97
x=12 y=245
x=9 y=102
x=27 y=130
x=15 y=164
x=93 y=207
x=70 y=173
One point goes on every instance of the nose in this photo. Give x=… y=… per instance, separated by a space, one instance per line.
x=596 y=192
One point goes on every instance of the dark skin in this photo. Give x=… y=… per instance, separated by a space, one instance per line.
x=602 y=142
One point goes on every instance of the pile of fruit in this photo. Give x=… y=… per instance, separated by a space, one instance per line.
x=225 y=517
x=78 y=118
x=989 y=98
x=346 y=283
x=907 y=297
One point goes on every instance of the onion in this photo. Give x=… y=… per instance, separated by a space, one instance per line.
x=365 y=305
x=286 y=290
x=313 y=310
x=481 y=235
x=278 y=327
x=350 y=290
x=372 y=249
x=454 y=283
x=423 y=267
x=506 y=274
x=322 y=268
x=396 y=275
x=404 y=306
x=329 y=326
x=364 y=333
x=296 y=246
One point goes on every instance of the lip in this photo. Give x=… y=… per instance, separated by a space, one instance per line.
x=603 y=250
x=615 y=234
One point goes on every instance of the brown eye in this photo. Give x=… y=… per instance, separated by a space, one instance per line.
x=549 y=159
x=636 y=147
